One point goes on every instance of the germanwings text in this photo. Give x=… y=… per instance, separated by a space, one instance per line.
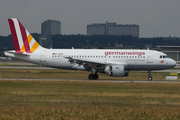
x=124 y=53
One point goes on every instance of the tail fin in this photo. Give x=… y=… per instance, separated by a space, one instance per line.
x=22 y=39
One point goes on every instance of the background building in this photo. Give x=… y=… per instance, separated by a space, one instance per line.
x=51 y=27
x=48 y=28
x=112 y=29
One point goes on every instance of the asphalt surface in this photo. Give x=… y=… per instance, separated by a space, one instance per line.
x=116 y=81
x=44 y=68
x=18 y=67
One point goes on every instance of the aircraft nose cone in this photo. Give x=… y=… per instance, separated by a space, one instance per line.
x=173 y=63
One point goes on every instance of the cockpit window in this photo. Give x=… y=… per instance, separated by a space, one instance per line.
x=163 y=56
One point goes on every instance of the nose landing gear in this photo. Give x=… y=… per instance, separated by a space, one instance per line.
x=149 y=73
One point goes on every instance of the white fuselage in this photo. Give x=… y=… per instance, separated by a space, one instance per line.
x=130 y=59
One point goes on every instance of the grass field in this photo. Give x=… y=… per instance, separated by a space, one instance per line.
x=88 y=100
x=85 y=99
x=75 y=112
x=71 y=74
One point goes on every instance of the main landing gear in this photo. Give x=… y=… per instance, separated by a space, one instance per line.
x=149 y=73
x=93 y=76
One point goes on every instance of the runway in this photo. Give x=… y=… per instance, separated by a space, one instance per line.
x=46 y=68
x=78 y=80
x=19 y=67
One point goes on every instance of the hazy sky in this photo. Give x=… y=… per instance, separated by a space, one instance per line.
x=155 y=17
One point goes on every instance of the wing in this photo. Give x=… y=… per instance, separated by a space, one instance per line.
x=87 y=63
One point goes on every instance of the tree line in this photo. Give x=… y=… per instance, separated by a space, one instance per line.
x=95 y=41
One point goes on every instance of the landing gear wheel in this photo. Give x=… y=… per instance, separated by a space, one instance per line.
x=96 y=76
x=150 y=78
x=91 y=77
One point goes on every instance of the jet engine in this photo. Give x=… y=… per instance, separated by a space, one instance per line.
x=116 y=71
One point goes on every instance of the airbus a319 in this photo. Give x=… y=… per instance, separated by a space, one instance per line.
x=113 y=62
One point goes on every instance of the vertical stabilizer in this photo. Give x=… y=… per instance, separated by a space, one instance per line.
x=22 y=39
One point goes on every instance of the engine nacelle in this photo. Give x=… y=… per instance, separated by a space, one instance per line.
x=116 y=71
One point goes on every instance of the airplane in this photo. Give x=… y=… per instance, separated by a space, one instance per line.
x=113 y=62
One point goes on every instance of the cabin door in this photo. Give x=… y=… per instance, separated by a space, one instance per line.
x=43 y=56
x=150 y=57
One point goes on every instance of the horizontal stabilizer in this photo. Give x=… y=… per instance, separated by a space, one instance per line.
x=14 y=54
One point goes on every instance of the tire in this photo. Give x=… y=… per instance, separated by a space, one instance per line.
x=96 y=76
x=150 y=78
x=91 y=77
